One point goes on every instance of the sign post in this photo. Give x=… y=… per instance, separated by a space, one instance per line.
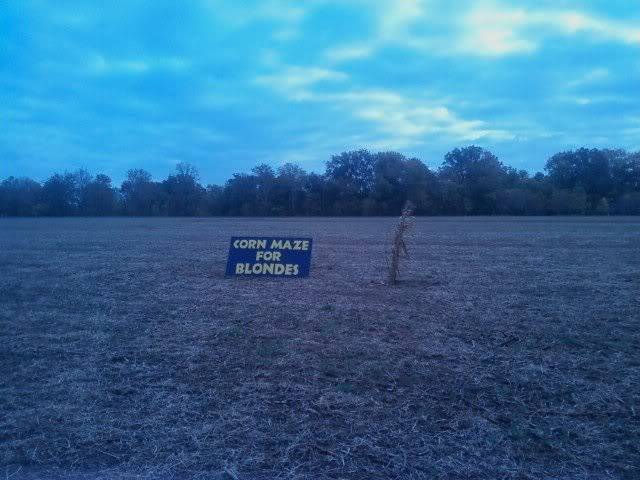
x=269 y=257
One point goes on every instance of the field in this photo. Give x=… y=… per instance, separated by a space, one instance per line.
x=510 y=350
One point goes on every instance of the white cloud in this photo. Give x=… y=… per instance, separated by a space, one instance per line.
x=596 y=99
x=592 y=76
x=286 y=34
x=493 y=30
x=397 y=16
x=575 y=22
x=394 y=20
x=98 y=64
x=291 y=11
x=488 y=29
x=349 y=52
x=412 y=122
x=293 y=82
x=396 y=120
x=495 y=42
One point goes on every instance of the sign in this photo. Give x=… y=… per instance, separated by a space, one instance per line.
x=269 y=257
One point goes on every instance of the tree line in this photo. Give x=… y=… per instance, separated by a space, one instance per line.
x=470 y=181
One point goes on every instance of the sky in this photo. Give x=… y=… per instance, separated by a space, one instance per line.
x=226 y=85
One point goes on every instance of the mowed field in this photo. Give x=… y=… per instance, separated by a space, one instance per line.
x=511 y=350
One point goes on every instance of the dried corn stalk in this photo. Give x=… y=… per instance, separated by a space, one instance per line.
x=399 y=246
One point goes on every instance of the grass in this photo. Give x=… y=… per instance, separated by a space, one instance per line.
x=508 y=351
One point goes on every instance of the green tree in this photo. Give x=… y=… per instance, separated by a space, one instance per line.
x=240 y=195
x=355 y=169
x=98 y=197
x=19 y=197
x=472 y=177
x=291 y=181
x=589 y=169
x=350 y=178
x=214 y=200
x=59 y=195
x=389 y=186
x=183 y=194
x=265 y=182
x=140 y=195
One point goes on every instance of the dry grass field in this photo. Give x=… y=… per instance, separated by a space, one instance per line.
x=510 y=350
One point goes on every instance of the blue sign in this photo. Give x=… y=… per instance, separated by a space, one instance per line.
x=269 y=257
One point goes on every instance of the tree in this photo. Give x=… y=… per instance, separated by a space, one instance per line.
x=398 y=180
x=589 y=169
x=353 y=169
x=471 y=180
x=628 y=204
x=474 y=177
x=568 y=202
x=184 y=196
x=214 y=200
x=351 y=176
x=314 y=200
x=81 y=179
x=140 y=195
x=290 y=182
x=98 y=197
x=603 y=207
x=240 y=195
x=265 y=179
x=625 y=172
x=59 y=195
x=19 y=197
x=389 y=190
x=422 y=186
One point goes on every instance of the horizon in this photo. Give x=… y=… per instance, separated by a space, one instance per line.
x=225 y=88
x=322 y=172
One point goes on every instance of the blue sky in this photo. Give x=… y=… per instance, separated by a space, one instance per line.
x=225 y=85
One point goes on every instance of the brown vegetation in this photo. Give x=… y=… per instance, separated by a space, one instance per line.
x=509 y=351
x=398 y=244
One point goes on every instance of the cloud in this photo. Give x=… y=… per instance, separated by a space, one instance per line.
x=494 y=32
x=306 y=79
x=393 y=24
x=286 y=11
x=98 y=64
x=285 y=15
x=486 y=29
x=495 y=42
x=587 y=99
x=497 y=30
x=573 y=22
x=411 y=122
x=349 y=52
x=293 y=81
x=397 y=16
x=595 y=75
x=399 y=120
